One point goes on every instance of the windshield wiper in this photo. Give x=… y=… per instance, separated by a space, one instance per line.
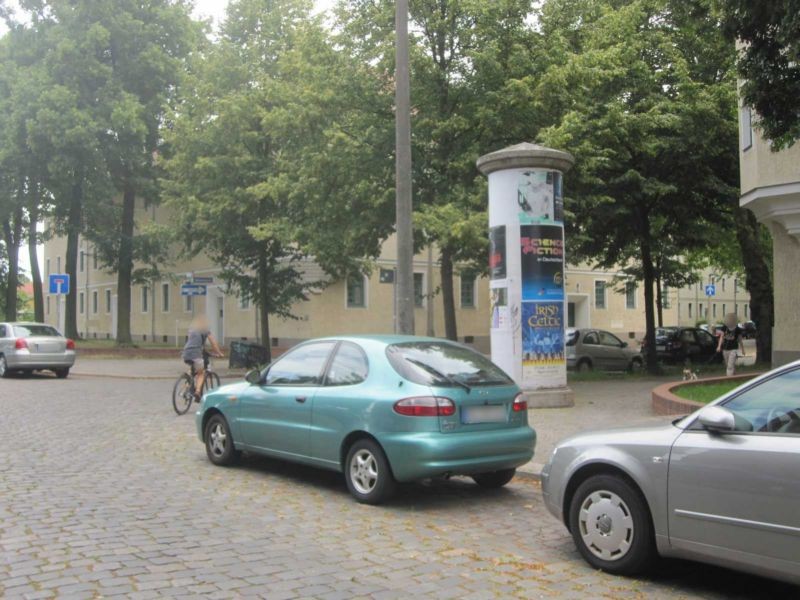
x=437 y=373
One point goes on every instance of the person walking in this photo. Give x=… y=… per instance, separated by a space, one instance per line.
x=731 y=342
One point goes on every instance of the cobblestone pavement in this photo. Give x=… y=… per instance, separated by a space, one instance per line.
x=105 y=492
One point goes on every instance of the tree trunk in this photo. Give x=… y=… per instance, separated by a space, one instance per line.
x=659 y=302
x=448 y=297
x=125 y=267
x=648 y=273
x=12 y=232
x=74 y=226
x=263 y=303
x=36 y=275
x=759 y=281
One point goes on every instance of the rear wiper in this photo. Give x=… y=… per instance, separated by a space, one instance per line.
x=437 y=373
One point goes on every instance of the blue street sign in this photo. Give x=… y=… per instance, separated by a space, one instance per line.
x=59 y=284
x=193 y=289
x=198 y=279
x=711 y=290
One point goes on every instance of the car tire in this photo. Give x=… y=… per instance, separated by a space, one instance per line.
x=494 y=479
x=61 y=373
x=611 y=525
x=367 y=473
x=636 y=365
x=4 y=367
x=584 y=365
x=220 y=448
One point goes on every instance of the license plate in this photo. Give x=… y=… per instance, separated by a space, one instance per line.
x=661 y=348
x=471 y=415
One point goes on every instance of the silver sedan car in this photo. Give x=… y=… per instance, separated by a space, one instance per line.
x=720 y=486
x=28 y=347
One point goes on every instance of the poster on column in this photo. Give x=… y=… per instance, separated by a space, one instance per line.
x=540 y=197
x=543 y=358
x=542 y=255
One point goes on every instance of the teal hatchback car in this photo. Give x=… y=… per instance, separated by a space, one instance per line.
x=380 y=409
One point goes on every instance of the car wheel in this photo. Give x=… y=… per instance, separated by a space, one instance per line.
x=494 y=479
x=62 y=373
x=219 y=442
x=611 y=525
x=636 y=365
x=367 y=472
x=584 y=365
x=3 y=367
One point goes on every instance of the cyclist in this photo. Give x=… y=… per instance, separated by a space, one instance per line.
x=194 y=351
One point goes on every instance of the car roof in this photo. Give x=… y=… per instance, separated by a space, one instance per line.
x=388 y=339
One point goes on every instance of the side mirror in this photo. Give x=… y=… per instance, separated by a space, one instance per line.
x=253 y=377
x=717 y=418
x=623 y=345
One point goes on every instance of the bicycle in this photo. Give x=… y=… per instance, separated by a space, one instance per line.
x=183 y=391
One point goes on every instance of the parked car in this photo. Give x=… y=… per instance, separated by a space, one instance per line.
x=750 y=330
x=678 y=345
x=380 y=409
x=719 y=486
x=29 y=347
x=588 y=349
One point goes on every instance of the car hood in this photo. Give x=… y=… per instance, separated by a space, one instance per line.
x=231 y=388
x=624 y=436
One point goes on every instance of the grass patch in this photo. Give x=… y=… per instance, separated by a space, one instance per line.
x=706 y=392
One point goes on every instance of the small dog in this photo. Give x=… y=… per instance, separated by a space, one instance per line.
x=689 y=375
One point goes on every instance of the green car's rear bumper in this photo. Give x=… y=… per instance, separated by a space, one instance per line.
x=416 y=456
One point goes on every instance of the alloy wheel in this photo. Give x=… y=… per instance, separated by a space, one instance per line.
x=606 y=525
x=218 y=440
x=364 y=471
x=2 y=366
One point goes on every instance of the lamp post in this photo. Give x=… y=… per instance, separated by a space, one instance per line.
x=403 y=198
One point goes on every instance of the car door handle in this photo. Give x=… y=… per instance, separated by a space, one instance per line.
x=300 y=399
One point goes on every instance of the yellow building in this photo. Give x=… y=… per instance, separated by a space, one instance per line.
x=693 y=305
x=360 y=305
x=770 y=183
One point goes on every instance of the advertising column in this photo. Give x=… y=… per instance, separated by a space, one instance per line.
x=526 y=268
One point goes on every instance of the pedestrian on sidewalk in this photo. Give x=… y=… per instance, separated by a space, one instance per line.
x=731 y=342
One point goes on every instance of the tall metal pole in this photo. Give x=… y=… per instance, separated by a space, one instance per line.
x=405 y=237
x=429 y=330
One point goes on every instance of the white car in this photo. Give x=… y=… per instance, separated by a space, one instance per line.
x=29 y=347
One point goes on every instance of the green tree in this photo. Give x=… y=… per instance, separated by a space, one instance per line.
x=769 y=62
x=648 y=132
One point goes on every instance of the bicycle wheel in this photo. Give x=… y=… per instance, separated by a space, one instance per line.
x=212 y=381
x=183 y=394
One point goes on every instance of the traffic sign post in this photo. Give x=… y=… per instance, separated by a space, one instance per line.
x=59 y=286
x=711 y=290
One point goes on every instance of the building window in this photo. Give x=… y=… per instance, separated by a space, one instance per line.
x=600 y=294
x=82 y=259
x=714 y=310
x=630 y=295
x=188 y=303
x=746 y=128
x=165 y=297
x=94 y=302
x=81 y=300
x=665 y=297
x=467 y=291
x=745 y=310
x=47 y=267
x=419 y=289
x=723 y=310
x=108 y=301
x=244 y=302
x=47 y=305
x=356 y=291
x=690 y=310
x=58 y=265
x=723 y=286
x=94 y=259
x=145 y=298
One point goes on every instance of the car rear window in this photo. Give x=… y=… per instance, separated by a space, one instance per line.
x=444 y=364
x=26 y=331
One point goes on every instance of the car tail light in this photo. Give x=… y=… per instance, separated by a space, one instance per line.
x=425 y=406
x=70 y=344
x=520 y=404
x=20 y=344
